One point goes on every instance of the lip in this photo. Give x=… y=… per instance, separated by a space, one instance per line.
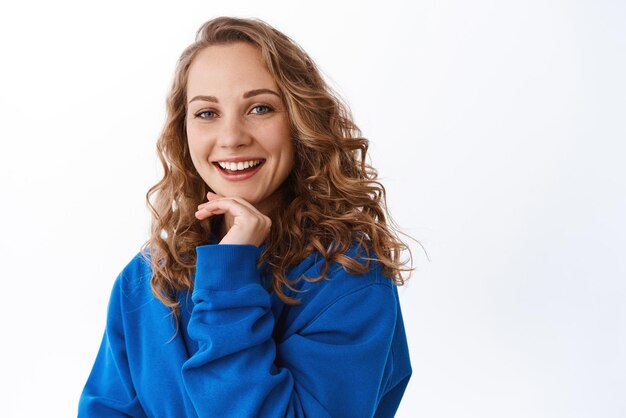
x=238 y=176
x=237 y=159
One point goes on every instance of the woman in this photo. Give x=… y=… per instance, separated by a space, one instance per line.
x=269 y=248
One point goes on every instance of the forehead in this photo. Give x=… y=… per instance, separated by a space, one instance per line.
x=228 y=69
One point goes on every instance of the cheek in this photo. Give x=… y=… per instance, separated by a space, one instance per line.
x=192 y=135
x=197 y=145
x=278 y=140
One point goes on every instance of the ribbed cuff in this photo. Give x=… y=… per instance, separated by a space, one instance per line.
x=226 y=266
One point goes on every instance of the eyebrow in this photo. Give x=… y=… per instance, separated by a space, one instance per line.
x=246 y=95
x=256 y=92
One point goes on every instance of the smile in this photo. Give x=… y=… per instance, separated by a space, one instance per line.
x=238 y=170
x=238 y=166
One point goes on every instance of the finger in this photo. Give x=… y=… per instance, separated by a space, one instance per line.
x=227 y=205
x=244 y=202
x=208 y=212
x=203 y=214
x=213 y=196
x=210 y=196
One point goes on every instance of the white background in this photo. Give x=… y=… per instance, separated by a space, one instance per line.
x=497 y=127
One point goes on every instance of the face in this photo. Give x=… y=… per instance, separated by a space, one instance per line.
x=237 y=125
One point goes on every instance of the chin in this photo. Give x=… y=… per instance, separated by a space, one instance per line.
x=248 y=197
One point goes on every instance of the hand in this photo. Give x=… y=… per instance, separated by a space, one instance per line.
x=244 y=224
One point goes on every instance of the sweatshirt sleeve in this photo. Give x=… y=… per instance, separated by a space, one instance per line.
x=333 y=366
x=109 y=391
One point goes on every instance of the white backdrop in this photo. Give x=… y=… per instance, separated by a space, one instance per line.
x=497 y=127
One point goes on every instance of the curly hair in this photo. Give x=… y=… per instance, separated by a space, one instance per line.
x=332 y=198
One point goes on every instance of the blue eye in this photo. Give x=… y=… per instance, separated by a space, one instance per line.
x=209 y=114
x=261 y=109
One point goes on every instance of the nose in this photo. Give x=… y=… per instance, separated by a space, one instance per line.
x=233 y=133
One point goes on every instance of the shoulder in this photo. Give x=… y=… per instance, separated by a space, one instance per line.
x=344 y=305
x=136 y=271
x=133 y=283
x=314 y=264
x=340 y=282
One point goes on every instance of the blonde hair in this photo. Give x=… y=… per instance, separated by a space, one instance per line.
x=332 y=198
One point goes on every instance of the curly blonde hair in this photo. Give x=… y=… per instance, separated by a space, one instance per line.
x=332 y=198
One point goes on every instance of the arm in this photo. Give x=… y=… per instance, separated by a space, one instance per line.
x=109 y=391
x=333 y=365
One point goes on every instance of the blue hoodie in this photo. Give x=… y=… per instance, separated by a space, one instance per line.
x=241 y=352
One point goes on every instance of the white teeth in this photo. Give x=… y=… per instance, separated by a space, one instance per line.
x=242 y=165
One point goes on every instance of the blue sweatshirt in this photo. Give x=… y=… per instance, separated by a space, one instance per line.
x=241 y=352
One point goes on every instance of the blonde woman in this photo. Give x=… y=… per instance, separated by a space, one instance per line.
x=268 y=285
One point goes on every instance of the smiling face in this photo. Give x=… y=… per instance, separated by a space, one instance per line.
x=237 y=124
